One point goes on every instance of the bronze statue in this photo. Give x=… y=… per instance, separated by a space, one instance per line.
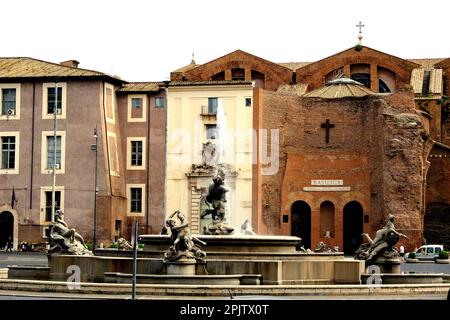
x=382 y=245
x=216 y=198
x=65 y=240
x=183 y=246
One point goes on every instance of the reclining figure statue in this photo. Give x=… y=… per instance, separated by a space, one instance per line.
x=65 y=240
x=382 y=245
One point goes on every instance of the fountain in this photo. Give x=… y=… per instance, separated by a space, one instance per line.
x=381 y=256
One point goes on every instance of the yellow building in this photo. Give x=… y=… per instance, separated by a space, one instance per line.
x=200 y=134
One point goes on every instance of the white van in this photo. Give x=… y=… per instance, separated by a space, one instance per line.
x=428 y=252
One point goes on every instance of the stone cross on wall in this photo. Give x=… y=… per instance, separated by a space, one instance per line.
x=327 y=126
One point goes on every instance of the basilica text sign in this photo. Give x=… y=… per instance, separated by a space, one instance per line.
x=327 y=182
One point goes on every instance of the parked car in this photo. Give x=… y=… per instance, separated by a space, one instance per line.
x=428 y=252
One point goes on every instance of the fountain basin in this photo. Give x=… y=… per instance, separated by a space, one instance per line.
x=234 y=279
x=228 y=243
x=410 y=278
x=28 y=272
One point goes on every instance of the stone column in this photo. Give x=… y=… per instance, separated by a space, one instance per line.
x=248 y=73
x=374 y=78
x=228 y=74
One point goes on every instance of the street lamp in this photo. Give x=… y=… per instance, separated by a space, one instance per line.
x=94 y=147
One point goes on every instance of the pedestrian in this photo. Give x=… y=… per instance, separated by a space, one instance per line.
x=402 y=250
x=9 y=245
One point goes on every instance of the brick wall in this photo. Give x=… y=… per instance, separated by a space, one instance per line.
x=376 y=148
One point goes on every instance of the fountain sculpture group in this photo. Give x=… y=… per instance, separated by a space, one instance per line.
x=381 y=251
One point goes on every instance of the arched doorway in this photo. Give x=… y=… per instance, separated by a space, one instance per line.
x=301 y=222
x=353 y=226
x=6 y=227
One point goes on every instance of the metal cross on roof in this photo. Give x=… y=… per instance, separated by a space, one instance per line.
x=360 y=25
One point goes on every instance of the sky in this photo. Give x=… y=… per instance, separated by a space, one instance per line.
x=144 y=40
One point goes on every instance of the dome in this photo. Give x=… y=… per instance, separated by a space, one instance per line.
x=341 y=88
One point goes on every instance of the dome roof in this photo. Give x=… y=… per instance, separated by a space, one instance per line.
x=341 y=88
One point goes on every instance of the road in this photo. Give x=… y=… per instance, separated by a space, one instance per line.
x=425 y=267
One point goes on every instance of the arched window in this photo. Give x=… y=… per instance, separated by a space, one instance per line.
x=238 y=74
x=382 y=87
x=327 y=219
x=363 y=78
x=218 y=76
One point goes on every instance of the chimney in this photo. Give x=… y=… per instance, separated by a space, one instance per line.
x=70 y=63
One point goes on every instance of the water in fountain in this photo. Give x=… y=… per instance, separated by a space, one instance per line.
x=221 y=131
x=222 y=144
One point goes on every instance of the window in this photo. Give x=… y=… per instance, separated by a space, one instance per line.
x=212 y=131
x=118 y=227
x=363 y=78
x=248 y=102
x=48 y=152
x=212 y=105
x=109 y=103
x=137 y=107
x=136 y=103
x=136 y=156
x=48 y=204
x=53 y=98
x=160 y=102
x=9 y=152
x=136 y=153
x=113 y=154
x=136 y=199
x=51 y=152
x=9 y=101
x=238 y=74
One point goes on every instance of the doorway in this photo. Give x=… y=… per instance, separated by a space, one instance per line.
x=6 y=227
x=353 y=226
x=301 y=222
